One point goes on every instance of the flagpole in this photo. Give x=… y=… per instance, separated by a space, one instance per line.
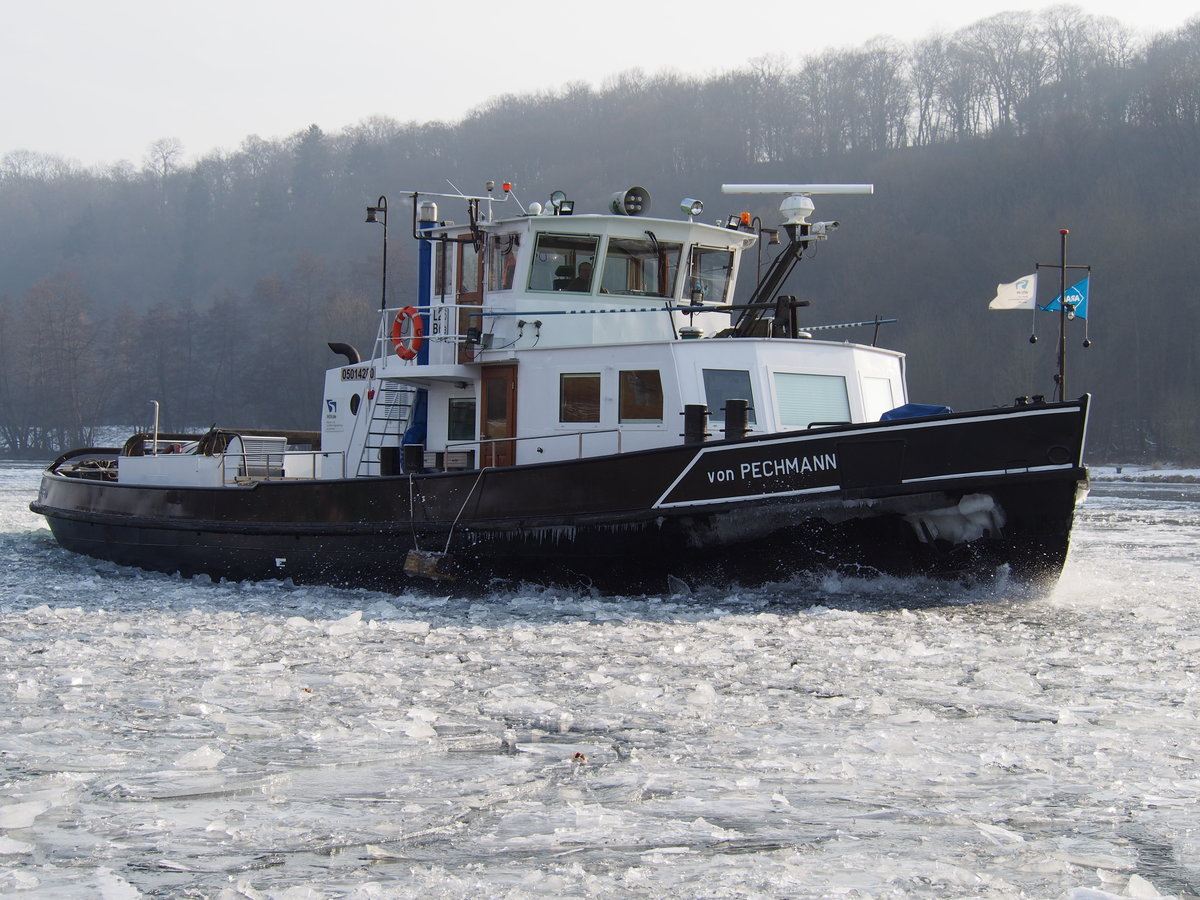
x=1065 y=312
x=1062 y=318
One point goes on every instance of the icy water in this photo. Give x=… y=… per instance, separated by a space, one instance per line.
x=831 y=738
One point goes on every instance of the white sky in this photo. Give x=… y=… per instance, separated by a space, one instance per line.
x=99 y=81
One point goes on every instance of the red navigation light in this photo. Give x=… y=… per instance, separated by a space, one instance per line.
x=507 y=187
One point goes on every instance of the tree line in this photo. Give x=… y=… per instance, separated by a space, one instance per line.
x=212 y=285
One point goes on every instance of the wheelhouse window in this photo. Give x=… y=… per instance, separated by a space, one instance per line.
x=579 y=397
x=709 y=271
x=726 y=384
x=806 y=400
x=640 y=396
x=644 y=268
x=563 y=262
x=502 y=261
x=468 y=269
x=461 y=420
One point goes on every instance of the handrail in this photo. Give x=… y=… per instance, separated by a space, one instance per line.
x=579 y=435
x=383 y=335
x=482 y=310
x=243 y=459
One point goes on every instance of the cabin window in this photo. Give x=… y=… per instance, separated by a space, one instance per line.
x=709 y=272
x=563 y=262
x=460 y=422
x=726 y=384
x=646 y=268
x=808 y=399
x=502 y=261
x=641 y=396
x=579 y=397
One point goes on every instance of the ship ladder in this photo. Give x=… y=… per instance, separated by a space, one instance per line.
x=391 y=412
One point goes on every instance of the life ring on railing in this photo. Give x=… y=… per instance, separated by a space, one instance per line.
x=407 y=332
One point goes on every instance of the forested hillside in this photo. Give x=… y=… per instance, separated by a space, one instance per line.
x=212 y=285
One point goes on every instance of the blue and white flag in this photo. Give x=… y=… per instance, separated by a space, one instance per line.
x=1077 y=297
x=1020 y=294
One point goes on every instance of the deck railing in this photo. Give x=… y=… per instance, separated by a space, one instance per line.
x=578 y=436
x=290 y=465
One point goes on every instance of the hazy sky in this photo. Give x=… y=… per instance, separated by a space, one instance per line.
x=99 y=81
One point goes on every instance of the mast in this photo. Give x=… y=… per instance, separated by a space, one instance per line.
x=1061 y=378
x=1064 y=313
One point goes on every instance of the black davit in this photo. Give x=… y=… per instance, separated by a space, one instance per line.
x=577 y=399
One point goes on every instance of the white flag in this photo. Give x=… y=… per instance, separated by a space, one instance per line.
x=1021 y=294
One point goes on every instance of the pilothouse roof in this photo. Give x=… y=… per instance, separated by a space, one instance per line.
x=626 y=216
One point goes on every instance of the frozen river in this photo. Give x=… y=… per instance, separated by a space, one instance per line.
x=834 y=738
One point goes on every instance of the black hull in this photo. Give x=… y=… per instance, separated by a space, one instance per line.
x=951 y=495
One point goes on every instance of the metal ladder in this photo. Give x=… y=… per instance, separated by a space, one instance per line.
x=391 y=412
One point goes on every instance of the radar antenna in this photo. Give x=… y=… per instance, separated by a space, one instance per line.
x=795 y=208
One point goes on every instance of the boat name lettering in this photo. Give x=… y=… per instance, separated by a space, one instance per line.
x=358 y=373
x=773 y=468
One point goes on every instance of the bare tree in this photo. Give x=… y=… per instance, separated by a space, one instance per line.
x=822 y=87
x=886 y=95
x=770 y=126
x=963 y=94
x=929 y=65
x=163 y=156
x=57 y=331
x=28 y=165
x=1006 y=51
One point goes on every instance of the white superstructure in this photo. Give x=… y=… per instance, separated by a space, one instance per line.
x=548 y=336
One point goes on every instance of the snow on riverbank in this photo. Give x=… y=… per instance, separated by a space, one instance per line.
x=1135 y=473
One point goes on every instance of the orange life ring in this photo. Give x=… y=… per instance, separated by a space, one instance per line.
x=407 y=342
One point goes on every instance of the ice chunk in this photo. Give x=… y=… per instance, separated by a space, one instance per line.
x=15 y=879
x=418 y=629
x=998 y=835
x=419 y=730
x=21 y=815
x=111 y=886
x=1141 y=889
x=203 y=758
x=703 y=694
x=10 y=847
x=345 y=625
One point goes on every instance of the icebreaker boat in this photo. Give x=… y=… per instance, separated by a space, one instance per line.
x=577 y=399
